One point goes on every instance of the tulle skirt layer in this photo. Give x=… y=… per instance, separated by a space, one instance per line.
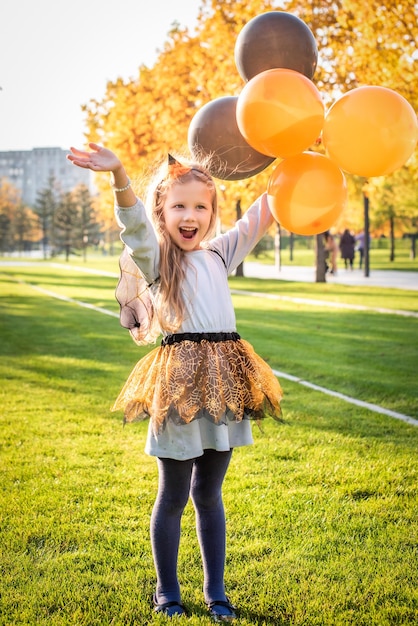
x=189 y=379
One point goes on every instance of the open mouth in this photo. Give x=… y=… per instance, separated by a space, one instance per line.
x=188 y=233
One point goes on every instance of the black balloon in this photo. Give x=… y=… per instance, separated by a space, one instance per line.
x=213 y=132
x=275 y=40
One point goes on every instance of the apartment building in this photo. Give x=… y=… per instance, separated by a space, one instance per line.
x=30 y=170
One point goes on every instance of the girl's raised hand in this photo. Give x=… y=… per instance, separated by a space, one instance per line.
x=99 y=159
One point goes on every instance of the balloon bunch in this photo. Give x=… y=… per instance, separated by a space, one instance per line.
x=279 y=114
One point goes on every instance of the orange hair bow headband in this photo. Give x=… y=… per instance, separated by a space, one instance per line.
x=175 y=168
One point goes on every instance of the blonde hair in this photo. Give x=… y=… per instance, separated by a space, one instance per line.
x=170 y=307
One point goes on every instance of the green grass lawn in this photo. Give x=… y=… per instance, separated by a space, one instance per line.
x=321 y=511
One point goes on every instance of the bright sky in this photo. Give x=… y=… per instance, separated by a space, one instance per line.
x=56 y=55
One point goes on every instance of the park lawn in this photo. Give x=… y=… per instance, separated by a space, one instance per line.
x=321 y=510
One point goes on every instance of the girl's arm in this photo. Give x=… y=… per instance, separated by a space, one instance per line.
x=103 y=160
x=137 y=232
x=235 y=244
x=138 y=235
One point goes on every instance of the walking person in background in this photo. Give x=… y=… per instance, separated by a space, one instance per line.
x=204 y=384
x=331 y=250
x=347 y=248
x=360 y=243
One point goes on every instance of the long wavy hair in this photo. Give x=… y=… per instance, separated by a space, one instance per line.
x=170 y=306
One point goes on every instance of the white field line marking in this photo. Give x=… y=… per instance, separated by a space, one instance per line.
x=365 y=405
x=59 y=296
x=86 y=270
x=336 y=394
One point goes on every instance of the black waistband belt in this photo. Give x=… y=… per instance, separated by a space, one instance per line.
x=198 y=337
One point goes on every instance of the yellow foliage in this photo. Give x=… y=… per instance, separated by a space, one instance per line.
x=143 y=119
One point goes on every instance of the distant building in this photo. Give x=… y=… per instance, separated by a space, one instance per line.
x=30 y=170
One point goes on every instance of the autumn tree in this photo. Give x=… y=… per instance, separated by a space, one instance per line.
x=396 y=206
x=24 y=228
x=373 y=43
x=142 y=119
x=364 y=43
x=18 y=223
x=4 y=233
x=10 y=199
x=149 y=116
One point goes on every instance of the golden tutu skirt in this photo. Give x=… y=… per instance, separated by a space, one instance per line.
x=190 y=379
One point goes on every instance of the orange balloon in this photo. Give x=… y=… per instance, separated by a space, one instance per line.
x=280 y=112
x=370 y=131
x=307 y=193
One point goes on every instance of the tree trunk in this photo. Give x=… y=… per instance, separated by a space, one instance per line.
x=320 y=259
x=291 y=244
x=392 y=238
x=366 y=233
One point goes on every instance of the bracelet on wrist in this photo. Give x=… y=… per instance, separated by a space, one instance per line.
x=121 y=189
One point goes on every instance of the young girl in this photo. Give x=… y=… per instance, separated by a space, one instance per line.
x=204 y=383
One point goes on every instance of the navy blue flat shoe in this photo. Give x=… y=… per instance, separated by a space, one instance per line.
x=168 y=608
x=222 y=611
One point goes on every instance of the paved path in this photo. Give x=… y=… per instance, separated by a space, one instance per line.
x=377 y=278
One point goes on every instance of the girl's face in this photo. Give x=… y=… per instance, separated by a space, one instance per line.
x=187 y=213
